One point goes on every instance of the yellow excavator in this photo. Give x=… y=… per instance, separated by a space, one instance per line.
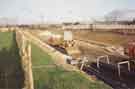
x=68 y=45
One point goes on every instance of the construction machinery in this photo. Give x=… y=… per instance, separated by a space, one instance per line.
x=62 y=42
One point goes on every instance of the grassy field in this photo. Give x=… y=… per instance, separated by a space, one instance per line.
x=6 y=40
x=39 y=57
x=11 y=72
x=50 y=76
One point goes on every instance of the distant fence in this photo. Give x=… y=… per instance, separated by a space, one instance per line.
x=103 y=27
x=112 y=26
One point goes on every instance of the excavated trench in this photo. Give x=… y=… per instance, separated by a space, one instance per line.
x=108 y=72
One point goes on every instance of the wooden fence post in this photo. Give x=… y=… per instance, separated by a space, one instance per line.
x=30 y=67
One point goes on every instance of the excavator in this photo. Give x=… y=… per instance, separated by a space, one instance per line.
x=66 y=46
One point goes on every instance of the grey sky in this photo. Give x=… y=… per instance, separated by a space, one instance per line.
x=60 y=10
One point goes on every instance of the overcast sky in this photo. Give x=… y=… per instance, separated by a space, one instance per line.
x=60 y=10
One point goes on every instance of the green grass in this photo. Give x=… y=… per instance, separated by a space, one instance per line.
x=39 y=57
x=10 y=62
x=5 y=39
x=58 y=78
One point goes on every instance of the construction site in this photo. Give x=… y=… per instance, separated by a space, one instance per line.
x=34 y=64
x=87 y=58
x=67 y=44
x=106 y=55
